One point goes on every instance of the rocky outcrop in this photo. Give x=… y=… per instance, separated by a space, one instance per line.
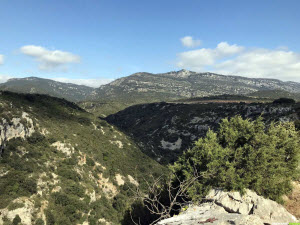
x=25 y=211
x=14 y=128
x=232 y=208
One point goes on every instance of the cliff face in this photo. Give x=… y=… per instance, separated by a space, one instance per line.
x=165 y=130
x=232 y=208
x=14 y=128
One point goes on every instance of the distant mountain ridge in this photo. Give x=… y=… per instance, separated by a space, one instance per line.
x=147 y=87
x=186 y=84
x=33 y=85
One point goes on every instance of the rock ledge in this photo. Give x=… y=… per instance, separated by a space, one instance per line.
x=232 y=208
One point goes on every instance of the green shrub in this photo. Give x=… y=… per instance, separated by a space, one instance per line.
x=16 y=220
x=15 y=205
x=284 y=101
x=39 y=221
x=35 y=138
x=84 y=121
x=15 y=184
x=68 y=173
x=297 y=124
x=90 y=161
x=243 y=154
x=50 y=218
x=75 y=189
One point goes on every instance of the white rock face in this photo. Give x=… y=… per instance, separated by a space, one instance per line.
x=120 y=179
x=15 y=128
x=25 y=212
x=63 y=147
x=171 y=146
x=118 y=143
x=230 y=208
x=132 y=180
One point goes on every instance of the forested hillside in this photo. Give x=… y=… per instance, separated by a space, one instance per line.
x=61 y=165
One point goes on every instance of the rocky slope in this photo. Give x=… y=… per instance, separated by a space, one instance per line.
x=61 y=165
x=145 y=87
x=232 y=208
x=32 y=85
x=164 y=130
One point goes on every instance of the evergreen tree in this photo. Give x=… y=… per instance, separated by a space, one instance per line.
x=243 y=154
x=16 y=220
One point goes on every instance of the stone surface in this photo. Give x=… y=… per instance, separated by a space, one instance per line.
x=228 y=208
x=15 y=128
x=25 y=212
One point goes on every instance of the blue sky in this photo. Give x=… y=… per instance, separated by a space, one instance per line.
x=95 y=41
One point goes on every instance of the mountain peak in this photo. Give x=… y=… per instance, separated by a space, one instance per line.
x=180 y=73
x=184 y=73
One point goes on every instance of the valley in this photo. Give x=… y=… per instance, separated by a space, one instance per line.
x=74 y=155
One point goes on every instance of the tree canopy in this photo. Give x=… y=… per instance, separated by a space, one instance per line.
x=243 y=154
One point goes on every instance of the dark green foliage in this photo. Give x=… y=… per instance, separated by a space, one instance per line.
x=103 y=123
x=68 y=173
x=297 y=124
x=120 y=203
x=15 y=205
x=84 y=121
x=71 y=161
x=14 y=184
x=35 y=138
x=75 y=189
x=50 y=218
x=16 y=220
x=284 y=101
x=243 y=154
x=92 y=220
x=139 y=214
x=39 y=221
x=90 y=161
x=103 y=208
x=105 y=156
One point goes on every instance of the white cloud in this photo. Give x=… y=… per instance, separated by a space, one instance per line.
x=189 y=42
x=199 y=58
x=88 y=82
x=49 y=60
x=1 y=59
x=4 y=78
x=280 y=63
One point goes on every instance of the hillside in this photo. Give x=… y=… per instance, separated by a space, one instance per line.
x=35 y=85
x=274 y=94
x=61 y=165
x=148 y=87
x=164 y=130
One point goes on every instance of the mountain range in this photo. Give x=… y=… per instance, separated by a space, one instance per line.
x=71 y=154
x=147 y=87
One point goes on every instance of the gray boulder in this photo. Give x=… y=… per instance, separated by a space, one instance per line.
x=232 y=208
